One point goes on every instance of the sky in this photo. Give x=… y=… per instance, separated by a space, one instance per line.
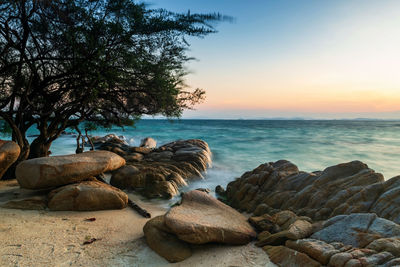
x=309 y=59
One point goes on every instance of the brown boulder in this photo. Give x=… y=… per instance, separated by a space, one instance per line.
x=163 y=242
x=298 y=230
x=283 y=256
x=127 y=177
x=56 y=171
x=391 y=245
x=87 y=196
x=202 y=219
x=9 y=153
x=316 y=249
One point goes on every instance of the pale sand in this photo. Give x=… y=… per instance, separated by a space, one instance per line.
x=44 y=238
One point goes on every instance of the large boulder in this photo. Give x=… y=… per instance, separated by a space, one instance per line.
x=160 y=239
x=201 y=219
x=9 y=153
x=87 y=196
x=56 y=171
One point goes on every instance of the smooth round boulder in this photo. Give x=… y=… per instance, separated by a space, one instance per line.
x=202 y=219
x=47 y=172
x=87 y=196
x=9 y=153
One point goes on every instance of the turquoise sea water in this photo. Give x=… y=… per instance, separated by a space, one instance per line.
x=241 y=145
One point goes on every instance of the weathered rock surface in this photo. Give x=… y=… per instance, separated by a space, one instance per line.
x=162 y=171
x=160 y=239
x=9 y=153
x=341 y=189
x=56 y=171
x=284 y=256
x=357 y=229
x=87 y=196
x=316 y=249
x=202 y=219
x=299 y=229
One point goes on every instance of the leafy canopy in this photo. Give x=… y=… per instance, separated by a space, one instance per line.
x=104 y=61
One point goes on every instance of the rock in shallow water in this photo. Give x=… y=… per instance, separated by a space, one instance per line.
x=202 y=219
x=162 y=171
x=47 y=172
x=87 y=196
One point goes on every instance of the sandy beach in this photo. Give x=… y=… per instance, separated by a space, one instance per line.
x=45 y=238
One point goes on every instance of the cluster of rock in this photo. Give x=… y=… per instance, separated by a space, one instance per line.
x=158 y=172
x=346 y=215
x=358 y=239
x=199 y=219
x=69 y=182
x=9 y=153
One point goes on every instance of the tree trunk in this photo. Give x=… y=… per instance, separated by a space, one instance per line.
x=39 y=148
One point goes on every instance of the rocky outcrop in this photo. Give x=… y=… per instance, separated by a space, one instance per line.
x=346 y=215
x=87 y=196
x=341 y=189
x=199 y=219
x=358 y=239
x=57 y=171
x=9 y=153
x=160 y=172
x=203 y=219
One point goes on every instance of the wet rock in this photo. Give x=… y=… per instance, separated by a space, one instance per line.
x=87 y=196
x=284 y=256
x=134 y=157
x=127 y=177
x=160 y=239
x=160 y=173
x=46 y=172
x=202 y=219
x=148 y=142
x=112 y=138
x=9 y=153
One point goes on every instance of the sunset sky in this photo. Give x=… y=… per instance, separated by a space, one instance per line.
x=314 y=59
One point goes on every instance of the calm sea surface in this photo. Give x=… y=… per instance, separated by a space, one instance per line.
x=241 y=145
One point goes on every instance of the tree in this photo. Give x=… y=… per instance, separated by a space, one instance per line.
x=107 y=62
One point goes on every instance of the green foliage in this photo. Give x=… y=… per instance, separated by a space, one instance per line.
x=106 y=62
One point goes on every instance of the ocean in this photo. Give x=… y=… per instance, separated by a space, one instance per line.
x=242 y=145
